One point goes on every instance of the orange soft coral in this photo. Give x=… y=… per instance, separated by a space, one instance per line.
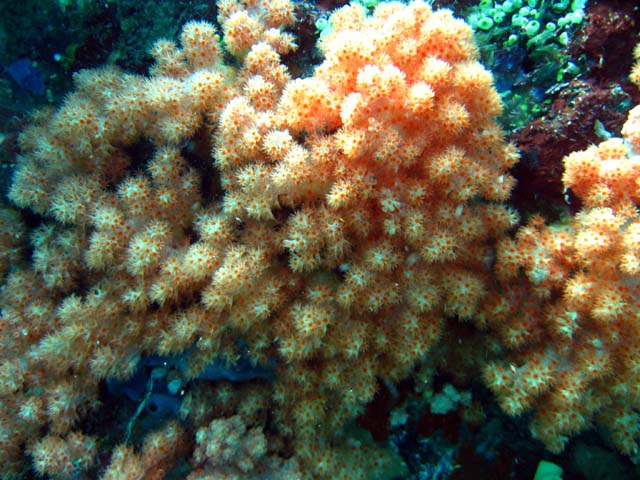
x=342 y=218
x=585 y=270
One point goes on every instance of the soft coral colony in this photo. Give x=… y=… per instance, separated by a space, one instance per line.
x=342 y=221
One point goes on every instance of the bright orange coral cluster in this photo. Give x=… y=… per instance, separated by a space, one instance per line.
x=573 y=327
x=354 y=209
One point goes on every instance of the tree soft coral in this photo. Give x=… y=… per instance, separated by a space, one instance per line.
x=349 y=215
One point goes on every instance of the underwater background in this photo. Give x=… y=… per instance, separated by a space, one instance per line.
x=288 y=239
